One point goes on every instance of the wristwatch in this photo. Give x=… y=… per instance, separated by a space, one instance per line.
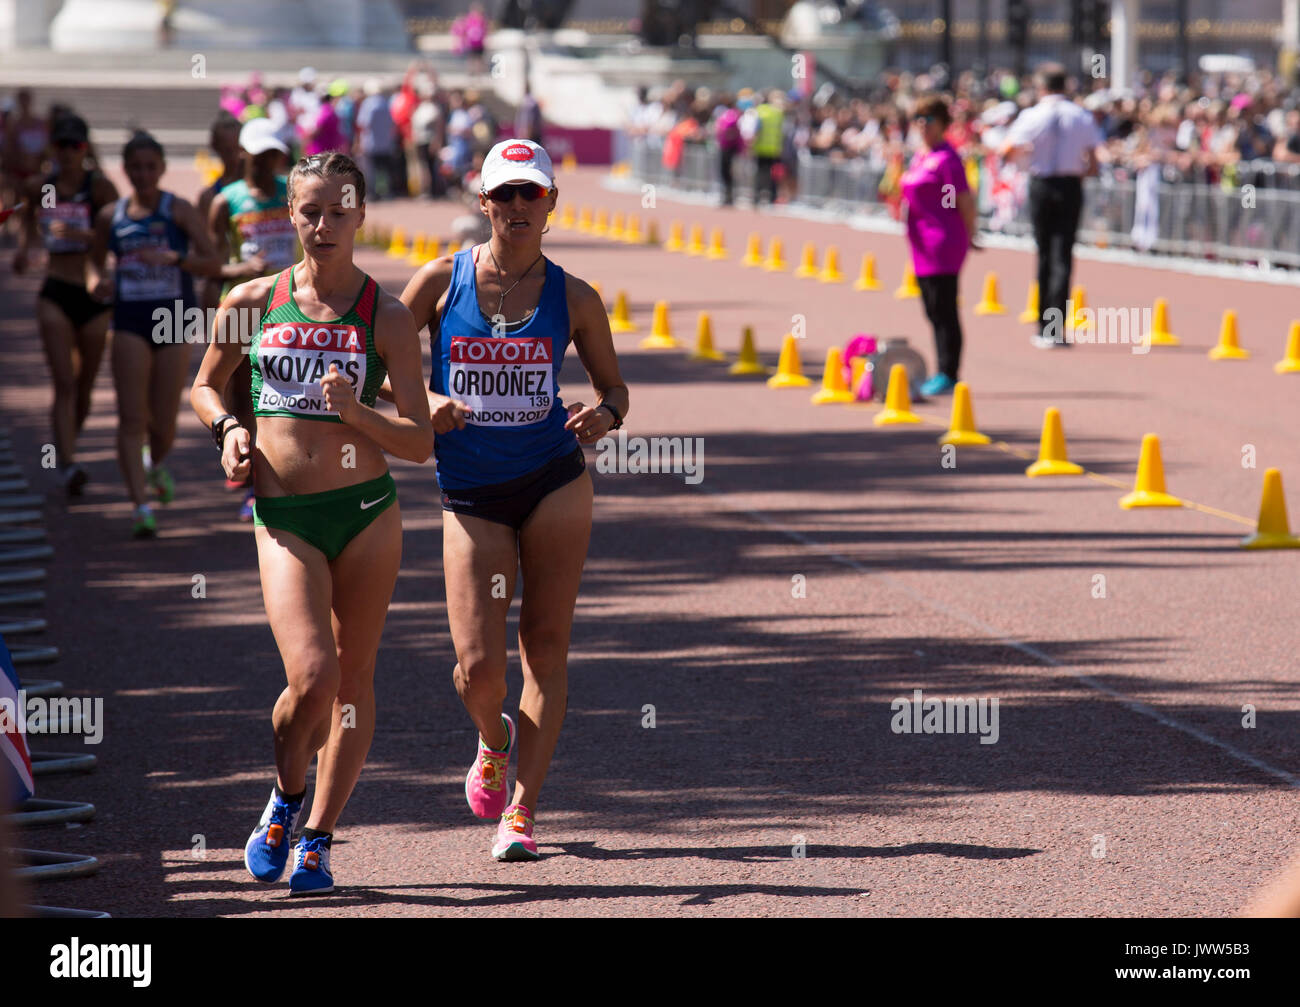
x=618 y=420
x=219 y=429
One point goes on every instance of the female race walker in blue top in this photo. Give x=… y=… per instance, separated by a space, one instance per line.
x=516 y=495
x=159 y=243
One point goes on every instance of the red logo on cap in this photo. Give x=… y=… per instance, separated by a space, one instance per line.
x=518 y=153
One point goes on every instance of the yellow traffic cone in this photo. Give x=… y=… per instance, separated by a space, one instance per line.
x=1229 y=348
x=704 y=349
x=808 y=262
x=595 y=285
x=585 y=220
x=418 y=251
x=1272 y=530
x=652 y=233
x=632 y=233
x=898 y=400
x=696 y=245
x=908 y=288
x=1160 y=334
x=1078 y=320
x=831 y=266
x=775 y=261
x=753 y=252
x=453 y=247
x=397 y=246
x=857 y=368
x=989 y=304
x=1052 y=457
x=569 y=162
x=601 y=227
x=961 y=428
x=621 y=320
x=867 y=275
x=432 y=249
x=1290 y=364
x=834 y=388
x=1032 y=310
x=1149 y=489
x=616 y=229
x=568 y=217
x=789 y=372
x=747 y=363
x=661 y=336
x=717 y=248
x=675 y=242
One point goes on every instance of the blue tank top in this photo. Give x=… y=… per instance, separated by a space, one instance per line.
x=137 y=281
x=512 y=382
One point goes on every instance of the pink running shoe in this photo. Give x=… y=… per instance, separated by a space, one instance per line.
x=485 y=786
x=515 y=836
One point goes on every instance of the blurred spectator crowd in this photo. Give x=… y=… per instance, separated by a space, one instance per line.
x=410 y=138
x=1208 y=129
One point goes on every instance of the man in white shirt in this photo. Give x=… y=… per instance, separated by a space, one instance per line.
x=1061 y=139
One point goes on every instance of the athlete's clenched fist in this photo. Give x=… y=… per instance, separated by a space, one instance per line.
x=339 y=396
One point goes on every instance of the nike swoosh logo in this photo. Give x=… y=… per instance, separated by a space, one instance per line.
x=367 y=506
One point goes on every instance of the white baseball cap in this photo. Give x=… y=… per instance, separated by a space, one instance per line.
x=516 y=161
x=258 y=136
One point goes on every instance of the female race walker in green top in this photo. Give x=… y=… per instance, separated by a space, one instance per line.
x=516 y=495
x=327 y=524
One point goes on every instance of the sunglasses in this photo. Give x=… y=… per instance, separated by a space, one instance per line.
x=529 y=190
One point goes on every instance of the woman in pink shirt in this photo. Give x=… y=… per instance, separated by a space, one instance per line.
x=940 y=228
x=327 y=134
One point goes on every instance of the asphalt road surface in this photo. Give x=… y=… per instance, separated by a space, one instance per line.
x=770 y=613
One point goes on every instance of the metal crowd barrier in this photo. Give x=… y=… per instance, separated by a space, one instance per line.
x=1192 y=218
x=23 y=541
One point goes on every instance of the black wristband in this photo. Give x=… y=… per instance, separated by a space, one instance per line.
x=219 y=430
x=225 y=431
x=618 y=420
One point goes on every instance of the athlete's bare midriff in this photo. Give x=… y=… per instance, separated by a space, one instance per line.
x=70 y=267
x=296 y=456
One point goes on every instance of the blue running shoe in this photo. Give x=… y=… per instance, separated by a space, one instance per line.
x=940 y=384
x=267 y=850
x=311 y=868
x=246 y=508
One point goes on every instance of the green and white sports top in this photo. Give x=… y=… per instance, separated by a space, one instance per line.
x=291 y=353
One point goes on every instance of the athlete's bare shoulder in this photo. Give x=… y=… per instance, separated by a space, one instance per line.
x=581 y=296
x=426 y=287
x=390 y=311
x=434 y=275
x=251 y=293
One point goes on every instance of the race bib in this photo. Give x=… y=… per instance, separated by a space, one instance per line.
x=75 y=215
x=294 y=356
x=139 y=281
x=271 y=233
x=506 y=381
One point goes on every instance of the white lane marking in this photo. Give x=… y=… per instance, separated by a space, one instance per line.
x=1025 y=648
